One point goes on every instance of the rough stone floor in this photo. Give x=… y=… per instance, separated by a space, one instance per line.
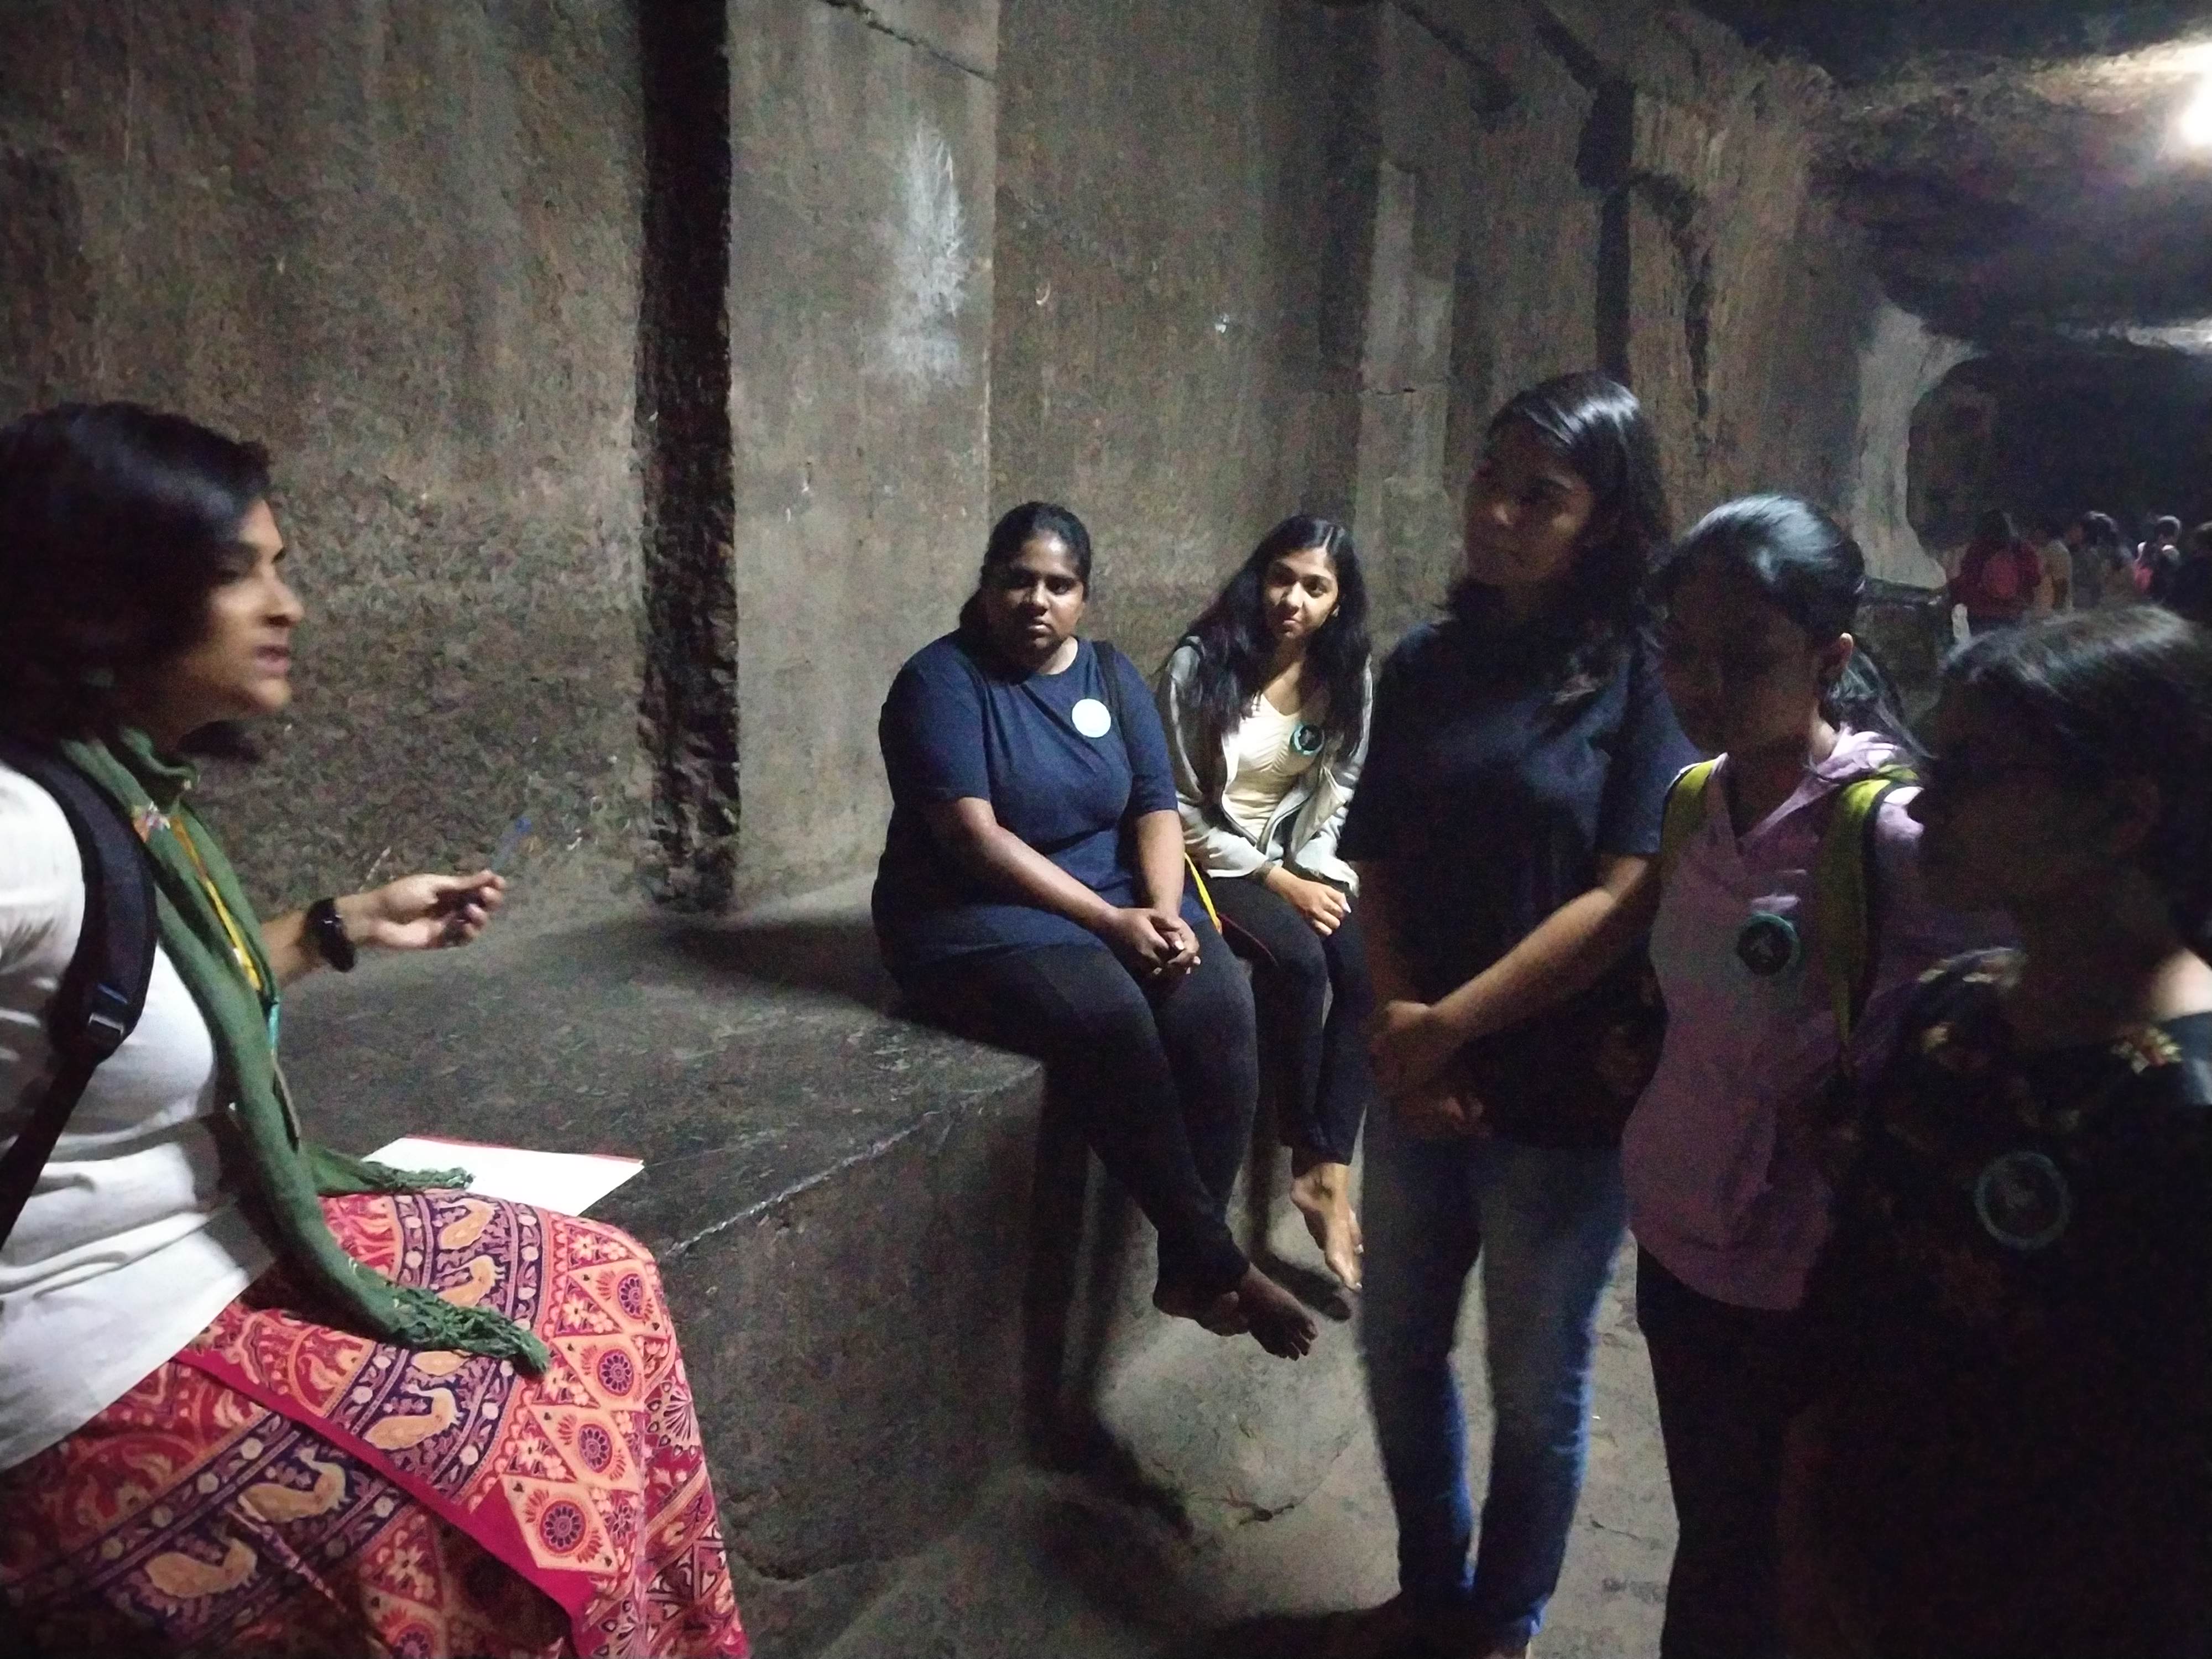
x=1052 y=1565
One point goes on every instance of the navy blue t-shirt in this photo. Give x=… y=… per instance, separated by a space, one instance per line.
x=1491 y=795
x=1046 y=751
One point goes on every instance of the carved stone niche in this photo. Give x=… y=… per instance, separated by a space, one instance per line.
x=1955 y=464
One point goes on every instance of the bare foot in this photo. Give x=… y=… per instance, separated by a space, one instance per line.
x=1322 y=1193
x=1222 y=1315
x=1279 y=1321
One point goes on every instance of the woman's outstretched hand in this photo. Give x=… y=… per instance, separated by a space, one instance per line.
x=424 y=912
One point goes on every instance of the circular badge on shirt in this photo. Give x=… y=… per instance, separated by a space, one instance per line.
x=1768 y=944
x=1305 y=739
x=1090 y=718
x=2023 y=1200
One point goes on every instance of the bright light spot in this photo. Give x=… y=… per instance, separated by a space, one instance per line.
x=2195 y=338
x=2196 y=120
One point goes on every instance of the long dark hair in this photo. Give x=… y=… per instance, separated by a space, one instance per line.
x=1801 y=561
x=1596 y=426
x=2100 y=530
x=1015 y=531
x=1235 y=646
x=116 y=522
x=2108 y=694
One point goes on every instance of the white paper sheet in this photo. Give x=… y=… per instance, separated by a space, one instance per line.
x=570 y=1182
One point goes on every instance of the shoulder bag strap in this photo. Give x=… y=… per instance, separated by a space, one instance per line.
x=103 y=990
x=1847 y=899
x=1685 y=812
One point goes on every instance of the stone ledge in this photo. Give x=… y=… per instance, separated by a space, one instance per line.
x=840 y=1199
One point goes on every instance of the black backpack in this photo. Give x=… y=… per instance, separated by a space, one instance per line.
x=103 y=990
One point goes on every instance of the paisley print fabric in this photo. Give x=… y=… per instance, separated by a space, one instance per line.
x=2017 y=1319
x=282 y=1486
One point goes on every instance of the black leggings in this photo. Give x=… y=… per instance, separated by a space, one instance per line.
x=1323 y=1079
x=1729 y=1380
x=1164 y=1083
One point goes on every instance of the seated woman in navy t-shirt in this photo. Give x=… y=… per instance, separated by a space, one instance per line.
x=1031 y=895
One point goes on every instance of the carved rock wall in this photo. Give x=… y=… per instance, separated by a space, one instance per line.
x=398 y=240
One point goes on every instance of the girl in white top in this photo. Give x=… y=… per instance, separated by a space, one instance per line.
x=1266 y=706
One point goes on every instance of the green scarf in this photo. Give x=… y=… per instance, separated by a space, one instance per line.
x=288 y=1175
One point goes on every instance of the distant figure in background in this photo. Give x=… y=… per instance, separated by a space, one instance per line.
x=1997 y=577
x=2120 y=570
x=2158 y=557
x=2100 y=576
x=1266 y=702
x=2189 y=593
x=2055 y=595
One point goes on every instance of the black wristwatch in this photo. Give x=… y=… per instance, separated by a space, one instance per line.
x=327 y=928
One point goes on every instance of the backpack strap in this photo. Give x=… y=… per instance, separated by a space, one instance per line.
x=1846 y=896
x=103 y=990
x=1685 y=813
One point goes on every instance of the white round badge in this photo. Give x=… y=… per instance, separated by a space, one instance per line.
x=1090 y=718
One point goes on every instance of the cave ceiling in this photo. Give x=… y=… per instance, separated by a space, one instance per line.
x=2017 y=167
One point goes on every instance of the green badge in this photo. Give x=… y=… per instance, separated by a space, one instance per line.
x=1768 y=944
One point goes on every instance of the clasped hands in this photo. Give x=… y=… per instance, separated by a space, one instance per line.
x=1158 y=946
x=423 y=912
x=1412 y=1045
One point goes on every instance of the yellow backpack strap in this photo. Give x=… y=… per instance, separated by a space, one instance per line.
x=1205 y=893
x=1686 y=812
x=1846 y=899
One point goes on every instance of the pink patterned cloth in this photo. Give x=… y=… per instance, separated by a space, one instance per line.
x=283 y=1487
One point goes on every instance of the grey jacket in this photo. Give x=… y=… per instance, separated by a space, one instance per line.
x=1301 y=834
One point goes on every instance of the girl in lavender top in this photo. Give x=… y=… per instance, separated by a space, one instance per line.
x=1728 y=1204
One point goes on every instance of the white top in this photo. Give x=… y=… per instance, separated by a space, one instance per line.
x=2057 y=575
x=130 y=1244
x=1301 y=833
x=1264 y=763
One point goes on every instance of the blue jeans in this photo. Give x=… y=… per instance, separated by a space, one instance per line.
x=1544 y=1224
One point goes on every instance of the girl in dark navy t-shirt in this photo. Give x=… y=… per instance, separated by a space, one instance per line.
x=1503 y=831
x=1031 y=895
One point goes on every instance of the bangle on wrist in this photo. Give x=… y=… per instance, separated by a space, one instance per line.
x=328 y=930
